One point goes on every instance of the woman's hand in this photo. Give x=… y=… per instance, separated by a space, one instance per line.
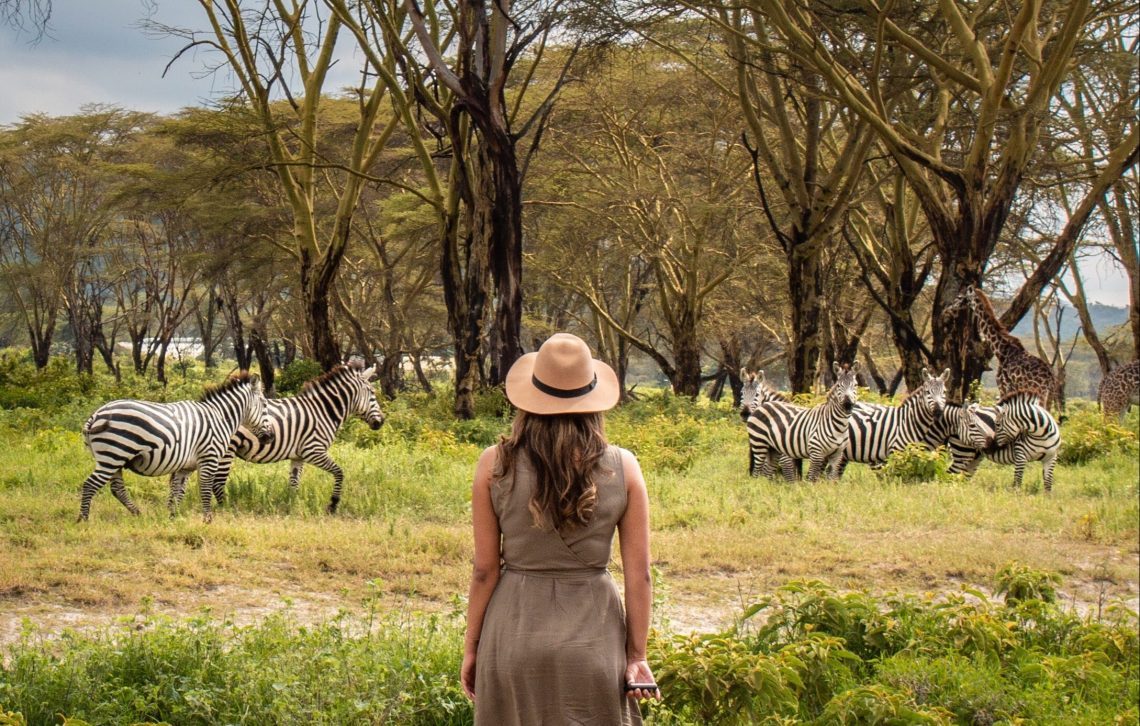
x=467 y=675
x=637 y=671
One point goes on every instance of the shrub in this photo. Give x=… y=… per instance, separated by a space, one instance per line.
x=1020 y=583
x=916 y=463
x=291 y=378
x=1085 y=435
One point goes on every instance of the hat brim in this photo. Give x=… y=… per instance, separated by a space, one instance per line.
x=522 y=392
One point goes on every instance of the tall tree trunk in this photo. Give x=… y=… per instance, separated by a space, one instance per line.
x=260 y=349
x=417 y=365
x=41 y=344
x=686 y=357
x=316 y=284
x=805 y=291
x=499 y=219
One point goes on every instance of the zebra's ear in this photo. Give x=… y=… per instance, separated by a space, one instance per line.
x=744 y=374
x=856 y=367
x=368 y=373
x=926 y=374
x=835 y=367
x=945 y=375
x=760 y=376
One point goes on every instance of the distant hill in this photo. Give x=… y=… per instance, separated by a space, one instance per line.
x=1104 y=318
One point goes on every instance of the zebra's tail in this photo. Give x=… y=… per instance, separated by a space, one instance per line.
x=94 y=425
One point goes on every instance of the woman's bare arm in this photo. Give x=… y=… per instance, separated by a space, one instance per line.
x=485 y=570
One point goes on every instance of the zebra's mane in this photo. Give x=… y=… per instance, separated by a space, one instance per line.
x=240 y=379
x=1019 y=392
x=314 y=383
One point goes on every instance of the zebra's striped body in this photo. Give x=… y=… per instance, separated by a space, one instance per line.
x=302 y=429
x=1026 y=432
x=155 y=439
x=874 y=431
x=817 y=434
x=754 y=393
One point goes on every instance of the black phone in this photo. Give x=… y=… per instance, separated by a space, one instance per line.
x=642 y=686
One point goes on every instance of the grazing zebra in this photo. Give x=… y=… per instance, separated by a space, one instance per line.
x=154 y=439
x=874 y=431
x=968 y=431
x=817 y=434
x=302 y=429
x=1025 y=432
x=754 y=393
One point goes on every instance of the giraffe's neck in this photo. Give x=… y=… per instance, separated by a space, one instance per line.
x=1004 y=345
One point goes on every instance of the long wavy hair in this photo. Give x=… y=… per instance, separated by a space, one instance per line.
x=564 y=450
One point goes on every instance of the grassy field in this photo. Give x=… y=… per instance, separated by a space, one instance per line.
x=720 y=539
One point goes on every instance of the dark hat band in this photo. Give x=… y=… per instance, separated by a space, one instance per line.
x=562 y=392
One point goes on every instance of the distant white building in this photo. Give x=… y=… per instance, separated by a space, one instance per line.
x=180 y=348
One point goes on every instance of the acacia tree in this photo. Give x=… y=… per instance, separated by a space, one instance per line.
x=57 y=179
x=895 y=259
x=966 y=137
x=657 y=178
x=281 y=54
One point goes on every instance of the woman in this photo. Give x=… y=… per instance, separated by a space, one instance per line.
x=547 y=641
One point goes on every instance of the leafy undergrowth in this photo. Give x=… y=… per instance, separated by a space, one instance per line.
x=806 y=654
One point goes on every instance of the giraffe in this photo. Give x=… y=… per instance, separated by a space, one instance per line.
x=1118 y=390
x=1018 y=370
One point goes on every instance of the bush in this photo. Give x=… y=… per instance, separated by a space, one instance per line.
x=916 y=463
x=1085 y=435
x=1020 y=583
x=291 y=379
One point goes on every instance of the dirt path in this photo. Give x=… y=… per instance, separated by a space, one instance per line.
x=708 y=611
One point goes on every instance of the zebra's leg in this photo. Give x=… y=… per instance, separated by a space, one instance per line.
x=207 y=470
x=119 y=489
x=177 y=490
x=1047 y=465
x=1019 y=461
x=92 y=484
x=322 y=460
x=787 y=466
x=295 y=473
x=816 y=463
x=838 y=466
x=221 y=476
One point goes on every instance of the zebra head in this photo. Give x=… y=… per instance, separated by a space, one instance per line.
x=975 y=429
x=750 y=392
x=364 y=402
x=844 y=394
x=256 y=412
x=932 y=392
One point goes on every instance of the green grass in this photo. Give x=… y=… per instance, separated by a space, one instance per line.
x=401 y=543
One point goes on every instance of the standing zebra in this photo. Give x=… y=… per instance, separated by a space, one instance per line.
x=817 y=434
x=875 y=431
x=754 y=393
x=302 y=429
x=1026 y=432
x=155 y=439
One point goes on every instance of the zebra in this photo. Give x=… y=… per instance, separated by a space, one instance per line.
x=154 y=439
x=875 y=431
x=302 y=430
x=754 y=393
x=817 y=434
x=968 y=431
x=1025 y=432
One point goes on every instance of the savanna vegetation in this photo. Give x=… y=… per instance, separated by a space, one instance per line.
x=278 y=612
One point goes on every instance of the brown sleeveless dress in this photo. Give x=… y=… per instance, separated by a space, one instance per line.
x=552 y=648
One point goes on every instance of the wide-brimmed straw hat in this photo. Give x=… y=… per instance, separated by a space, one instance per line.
x=562 y=377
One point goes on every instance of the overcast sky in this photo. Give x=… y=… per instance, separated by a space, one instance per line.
x=95 y=52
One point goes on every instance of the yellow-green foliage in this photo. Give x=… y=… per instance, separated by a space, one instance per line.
x=916 y=463
x=1085 y=435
